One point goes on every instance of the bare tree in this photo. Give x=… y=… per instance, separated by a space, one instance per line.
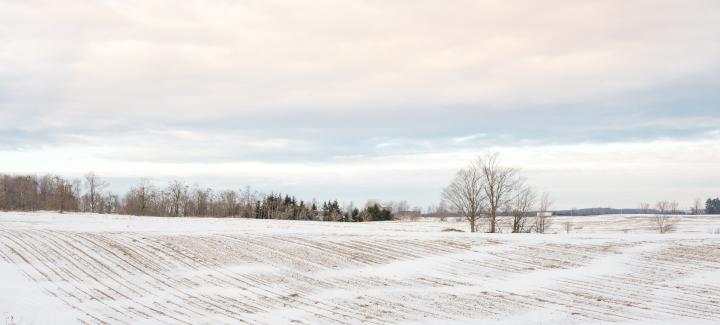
x=664 y=219
x=110 y=203
x=466 y=193
x=94 y=186
x=644 y=208
x=674 y=208
x=139 y=199
x=202 y=201
x=498 y=184
x=248 y=198
x=542 y=221
x=697 y=207
x=400 y=207
x=229 y=201
x=30 y=193
x=520 y=210
x=442 y=211
x=63 y=188
x=177 y=192
x=4 y=193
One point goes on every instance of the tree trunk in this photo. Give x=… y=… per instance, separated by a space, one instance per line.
x=492 y=221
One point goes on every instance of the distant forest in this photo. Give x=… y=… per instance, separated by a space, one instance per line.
x=711 y=206
x=177 y=199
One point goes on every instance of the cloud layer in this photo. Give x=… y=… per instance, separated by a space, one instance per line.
x=251 y=86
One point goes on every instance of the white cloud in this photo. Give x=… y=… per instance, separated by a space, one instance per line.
x=199 y=59
x=403 y=92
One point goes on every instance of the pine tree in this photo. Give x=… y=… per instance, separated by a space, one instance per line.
x=712 y=206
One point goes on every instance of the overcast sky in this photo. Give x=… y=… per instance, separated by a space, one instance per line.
x=601 y=103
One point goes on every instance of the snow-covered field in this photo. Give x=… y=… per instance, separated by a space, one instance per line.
x=75 y=268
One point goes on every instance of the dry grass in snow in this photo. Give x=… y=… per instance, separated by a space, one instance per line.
x=81 y=268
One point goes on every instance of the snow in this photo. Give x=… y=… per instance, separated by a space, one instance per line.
x=21 y=299
x=74 y=268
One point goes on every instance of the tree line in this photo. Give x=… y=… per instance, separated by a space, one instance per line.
x=177 y=199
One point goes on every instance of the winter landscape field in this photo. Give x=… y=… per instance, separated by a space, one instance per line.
x=322 y=162
x=88 y=268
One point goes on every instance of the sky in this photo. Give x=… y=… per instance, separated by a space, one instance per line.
x=600 y=103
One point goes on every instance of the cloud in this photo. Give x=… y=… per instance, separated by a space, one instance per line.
x=204 y=59
x=154 y=83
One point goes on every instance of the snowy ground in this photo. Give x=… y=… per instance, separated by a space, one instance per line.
x=75 y=268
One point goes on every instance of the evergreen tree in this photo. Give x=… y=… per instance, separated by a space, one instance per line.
x=258 y=210
x=287 y=201
x=712 y=206
x=355 y=216
x=325 y=209
x=378 y=213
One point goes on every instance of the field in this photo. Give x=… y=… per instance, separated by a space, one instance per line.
x=83 y=268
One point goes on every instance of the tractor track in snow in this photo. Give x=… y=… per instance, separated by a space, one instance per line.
x=359 y=276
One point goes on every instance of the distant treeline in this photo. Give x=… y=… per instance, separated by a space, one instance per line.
x=712 y=206
x=605 y=211
x=52 y=192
